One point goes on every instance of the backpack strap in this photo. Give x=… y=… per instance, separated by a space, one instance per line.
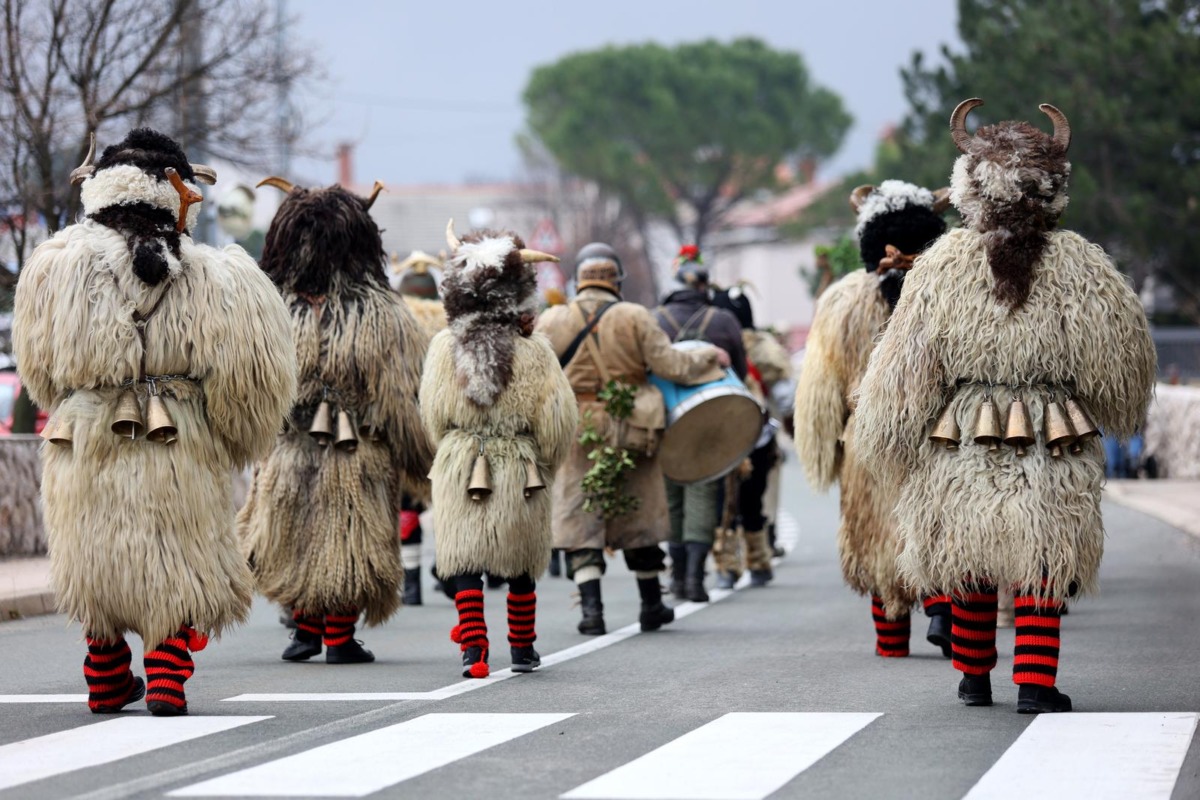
x=589 y=326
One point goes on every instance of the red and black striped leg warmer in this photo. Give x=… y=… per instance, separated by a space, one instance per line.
x=169 y=665
x=339 y=627
x=973 y=630
x=311 y=625
x=522 y=613
x=106 y=670
x=471 y=630
x=891 y=636
x=1035 y=657
x=936 y=605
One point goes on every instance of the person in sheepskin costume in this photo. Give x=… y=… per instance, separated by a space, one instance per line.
x=896 y=221
x=502 y=415
x=1012 y=344
x=319 y=526
x=124 y=312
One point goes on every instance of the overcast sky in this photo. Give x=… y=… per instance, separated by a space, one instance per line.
x=430 y=90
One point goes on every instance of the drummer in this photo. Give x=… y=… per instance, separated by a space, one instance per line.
x=687 y=313
x=628 y=343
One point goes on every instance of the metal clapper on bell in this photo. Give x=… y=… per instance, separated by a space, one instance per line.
x=945 y=430
x=127 y=421
x=160 y=427
x=1057 y=428
x=1081 y=423
x=1018 y=433
x=481 y=485
x=347 y=436
x=321 y=428
x=533 y=479
x=987 y=425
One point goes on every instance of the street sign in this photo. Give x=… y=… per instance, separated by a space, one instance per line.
x=545 y=238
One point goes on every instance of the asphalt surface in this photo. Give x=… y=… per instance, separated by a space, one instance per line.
x=804 y=645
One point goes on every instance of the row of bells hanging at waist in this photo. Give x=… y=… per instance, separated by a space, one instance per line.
x=1065 y=427
x=480 y=487
x=344 y=435
x=156 y=424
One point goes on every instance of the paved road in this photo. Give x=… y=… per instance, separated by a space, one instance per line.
x=768 y=692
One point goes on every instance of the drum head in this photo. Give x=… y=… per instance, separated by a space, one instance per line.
x=711 y=439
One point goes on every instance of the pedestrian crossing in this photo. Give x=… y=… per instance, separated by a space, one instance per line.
x=735 y=756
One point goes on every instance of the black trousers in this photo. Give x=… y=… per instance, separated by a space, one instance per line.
x=638 y=559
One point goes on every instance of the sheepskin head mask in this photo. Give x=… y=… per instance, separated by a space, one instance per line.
x=322 y=235
x=896 y=222
x=490 y=295
x=1010 y=184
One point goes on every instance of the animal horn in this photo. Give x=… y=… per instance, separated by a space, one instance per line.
x=374 y=193
x=451 y=239
x=941 y=200
x=534 y=256
x=1062 y=128
x=958 y=123
x=204 y=174
x=85 y=169
x=282 y=184
x=859 y=196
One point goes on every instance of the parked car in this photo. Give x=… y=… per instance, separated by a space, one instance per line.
x=10 y=387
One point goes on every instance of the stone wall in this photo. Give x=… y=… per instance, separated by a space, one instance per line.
x=21 y=531
x=1173 y=431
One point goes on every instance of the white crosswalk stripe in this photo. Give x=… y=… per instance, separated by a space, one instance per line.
x=104 y=742
x=741 y=756
x=369 y=762
x=1092 y=757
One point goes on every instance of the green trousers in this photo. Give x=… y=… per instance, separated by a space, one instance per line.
x=694 y=511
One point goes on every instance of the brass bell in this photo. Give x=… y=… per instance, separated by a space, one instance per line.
x=347 y=436
x=160 y=428
x=322 y=424
x=1082 y=424
x=1057 y=428
x=127 y=422
x=1018 y=433
x=533 y=479
x=987 y=425
x=57 y=432
x=481 y=484
x=945 y=430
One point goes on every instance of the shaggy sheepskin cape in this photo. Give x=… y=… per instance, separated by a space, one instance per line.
x=632 y=344
x=430 y=313
x=319 y=527
x=991 y=515
x=141 y=534
x=533 y=419
x=850 y=316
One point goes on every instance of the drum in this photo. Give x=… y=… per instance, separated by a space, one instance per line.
x=711 y=427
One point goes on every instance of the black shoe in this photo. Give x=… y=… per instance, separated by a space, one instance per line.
x=412 y=586
x=525 y=659
x=725 y=580
x=975 y=690
x=555 y=568
x=693 y=581
x=352 y=652
x=939 y=633
x=136 y=692
x=303 y=647
x=592 y=623
x=654 y=613
x=161 y=708
x=761 y=577
x=1034 y=699
x=678 y=555
x=472 y=657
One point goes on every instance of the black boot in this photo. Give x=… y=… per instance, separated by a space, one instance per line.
x=592 y=623
x=352 y=652
x=303 y=646
x=555 y=569
x=776 y=550
x=693 y=581
x=1034 y=699
x=975 y=690
x=939 y=633
x=412 y=586
x=654 y=613
x=678 y=555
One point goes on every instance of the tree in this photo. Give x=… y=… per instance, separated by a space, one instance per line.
x=682 y=134
x=205 y=72
x=1126 y=73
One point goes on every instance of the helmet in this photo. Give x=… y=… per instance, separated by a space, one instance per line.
x=598 y=265
x=689 y=266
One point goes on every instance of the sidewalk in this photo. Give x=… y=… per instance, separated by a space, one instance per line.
x=25 y=588
x=1175 y=502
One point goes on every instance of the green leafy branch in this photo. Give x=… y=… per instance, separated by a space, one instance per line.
x=604 y=484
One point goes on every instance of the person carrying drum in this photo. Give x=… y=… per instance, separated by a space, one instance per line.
x=687 y=314
x=598 y=338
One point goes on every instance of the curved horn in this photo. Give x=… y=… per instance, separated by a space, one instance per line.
x=958 y=123
x=451 y=239
x=374 y=193
x=534 y=256
x=941 y=200
x=85 y=169
x=859 y=196
x=1062 y=128
x=204 y=174
x=282 y=184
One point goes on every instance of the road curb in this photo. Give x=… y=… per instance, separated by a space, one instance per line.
x=1181 y=518
x=28 y=604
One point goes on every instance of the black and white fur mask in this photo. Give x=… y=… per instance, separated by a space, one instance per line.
x=897 y=214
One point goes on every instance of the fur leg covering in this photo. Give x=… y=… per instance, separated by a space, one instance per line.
x=168 y=666
x=727 y=551
x=111 y=684
x=891 y=635
x=471 y=630
x=973 y=630
x=758 y=551
x=1035 y=657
